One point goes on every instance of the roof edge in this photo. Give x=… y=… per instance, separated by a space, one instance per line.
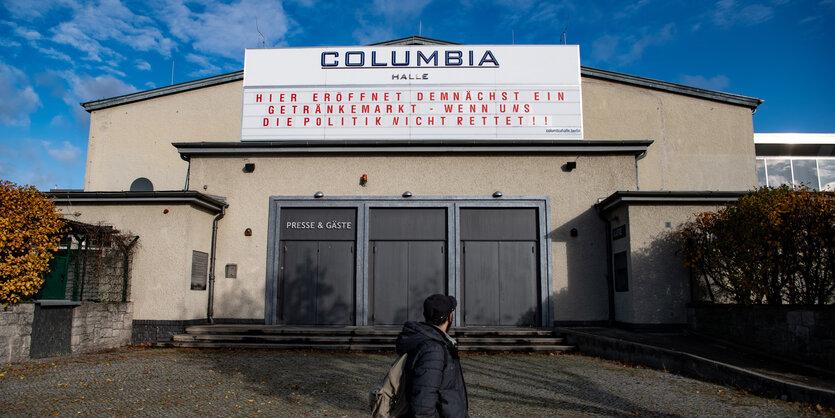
x=749 y=102
x=718 y=96
x=211 y=203
x=189 y=149
x=624 y=197
x=163 y=91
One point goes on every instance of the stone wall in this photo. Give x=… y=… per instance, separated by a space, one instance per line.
x=805 y=334
x=95 y=327
x=101 y=326
x=16 y=331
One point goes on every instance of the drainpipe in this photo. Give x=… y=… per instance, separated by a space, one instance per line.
x=637 y=158
x=210 y=308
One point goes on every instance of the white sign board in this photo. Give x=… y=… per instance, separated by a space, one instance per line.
x=425 y=92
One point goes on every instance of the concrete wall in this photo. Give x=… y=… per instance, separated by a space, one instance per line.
x=134 y=140
x=579 y=276
x=800 y=333
x=16 y=331
x=699 y=144
x=161 y=266
x=659 y=284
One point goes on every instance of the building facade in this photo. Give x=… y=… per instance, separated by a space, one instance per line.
x=357 y=230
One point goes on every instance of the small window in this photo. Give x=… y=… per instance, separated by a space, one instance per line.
x=142 y=185
x=779 y=171
x=621 y=272
x=199 y=270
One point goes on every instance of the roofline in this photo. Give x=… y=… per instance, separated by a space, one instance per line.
x=718 y=96
x=415 y=40
x=204 y=149
x=163 y=91
x=734 y=99
x=794 y=138
x=210 y=203
x=621 y=198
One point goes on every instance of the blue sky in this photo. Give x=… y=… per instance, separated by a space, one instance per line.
x=55 y=54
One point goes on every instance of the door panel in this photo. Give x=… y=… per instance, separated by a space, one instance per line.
x=300 y=268
x=517 y=283
x=335 y=284
x=389 y=272
x=427 y=274
x=481 y=283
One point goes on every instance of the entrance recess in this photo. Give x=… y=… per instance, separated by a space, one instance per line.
x=348 y=260
x=316 y=273
x=500 y=266
x=408 y=259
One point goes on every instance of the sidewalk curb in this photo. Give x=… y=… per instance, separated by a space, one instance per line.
x=696 y=366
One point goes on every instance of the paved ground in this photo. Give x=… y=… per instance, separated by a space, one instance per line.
x=182 y=382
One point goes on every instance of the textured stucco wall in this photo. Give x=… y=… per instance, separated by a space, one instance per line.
x=134 y=140
x=699 y=144
x=579 y=273
x=161 y=265
x=659 y=286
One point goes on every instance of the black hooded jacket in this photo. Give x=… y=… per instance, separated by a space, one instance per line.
x=434 y=380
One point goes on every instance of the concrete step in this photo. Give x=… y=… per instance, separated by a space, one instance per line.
x=360 y=347
x=355 y=339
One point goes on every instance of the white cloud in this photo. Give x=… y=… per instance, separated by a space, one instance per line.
x=206 y=66
x=28 y=34
x=28 y=161
x=384 y=18
x=8 y=43
x=18 y=99
x=223 y=29
x=85 y=88
x=66 y=153
x=58 y=120
x=728 y=13
x=718 y=82
x=608 y=48
x=143 y=65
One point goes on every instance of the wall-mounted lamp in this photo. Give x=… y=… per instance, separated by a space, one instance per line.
x=363 y=180
x=571 y=165
x=248 y=232
x=318 y=195
x=249 y=167
x=407 y=194
x=497 y=194
x=573 y=232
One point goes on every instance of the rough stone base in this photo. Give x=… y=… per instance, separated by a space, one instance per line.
x=16 y=331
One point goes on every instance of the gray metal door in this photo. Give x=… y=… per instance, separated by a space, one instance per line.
x=408 y=262
x=317 y=266
x=499 y=266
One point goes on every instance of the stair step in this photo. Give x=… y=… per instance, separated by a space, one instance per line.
x=361 y=347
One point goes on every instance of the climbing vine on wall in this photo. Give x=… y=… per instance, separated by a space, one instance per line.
x=773 y=246
x=29 y=232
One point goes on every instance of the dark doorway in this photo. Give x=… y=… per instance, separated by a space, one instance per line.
x=408 y=261
x=500 y=267
x=317 y=264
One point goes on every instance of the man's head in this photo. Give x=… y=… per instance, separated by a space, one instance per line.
x=436 y=308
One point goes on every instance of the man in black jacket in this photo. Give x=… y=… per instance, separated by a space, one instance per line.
x=434 y=380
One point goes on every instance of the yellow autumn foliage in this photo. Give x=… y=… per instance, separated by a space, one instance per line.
x=29 y=232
